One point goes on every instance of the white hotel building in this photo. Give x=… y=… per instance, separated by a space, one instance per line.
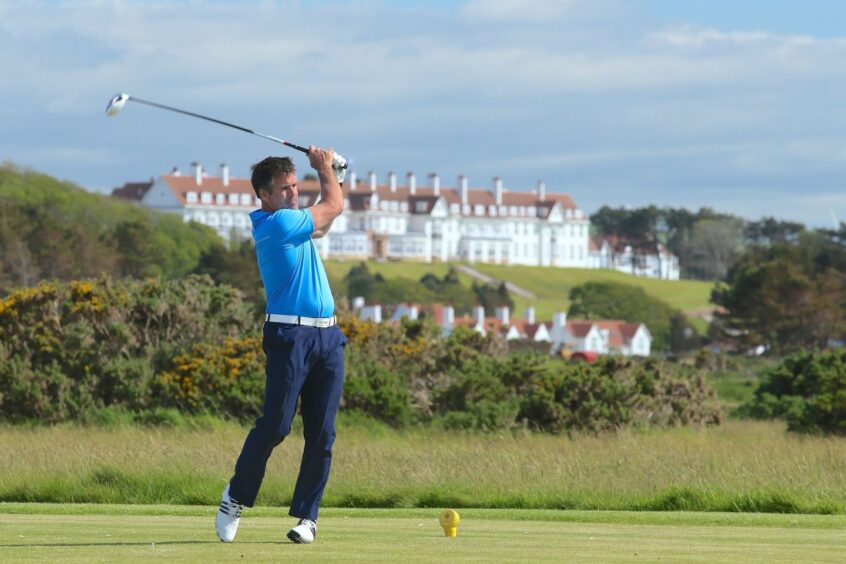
x=393 y=221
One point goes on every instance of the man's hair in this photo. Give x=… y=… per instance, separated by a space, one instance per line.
x=266 y=170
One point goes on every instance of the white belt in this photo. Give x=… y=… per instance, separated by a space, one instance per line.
x=299 y=320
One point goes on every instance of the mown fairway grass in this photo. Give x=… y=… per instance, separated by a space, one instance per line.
x=176 y=533
x=551 y=285
x=741 y=466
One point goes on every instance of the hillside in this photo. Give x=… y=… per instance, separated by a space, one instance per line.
x=52 y=229
x=551 y=285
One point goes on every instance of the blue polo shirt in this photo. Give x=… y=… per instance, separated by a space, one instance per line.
x=294 y=280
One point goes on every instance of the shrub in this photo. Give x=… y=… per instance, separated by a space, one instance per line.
x=66 y=348
x=808 y=389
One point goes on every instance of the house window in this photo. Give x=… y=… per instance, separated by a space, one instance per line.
x=206 y=197
x=479 y=209
x=220 y=199
x=404 y=206
x=454 y=208
x=233 y=199
x=420 y=207
x=191 y=197
x=245 y=199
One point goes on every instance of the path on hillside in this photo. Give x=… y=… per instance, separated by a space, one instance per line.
x=513 y=288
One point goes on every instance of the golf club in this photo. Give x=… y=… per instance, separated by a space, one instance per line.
x=117 y=102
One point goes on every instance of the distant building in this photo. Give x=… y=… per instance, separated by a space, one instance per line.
x=409 y=222
x=603 y=336
x=391 y=221
x=605 y=252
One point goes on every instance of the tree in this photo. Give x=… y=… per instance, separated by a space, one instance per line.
x=786 y=296
x=236 y=267
x=769 y=231
x=613 y=300
x=712 y=248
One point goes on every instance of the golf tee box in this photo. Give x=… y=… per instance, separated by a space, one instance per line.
x=449 y=520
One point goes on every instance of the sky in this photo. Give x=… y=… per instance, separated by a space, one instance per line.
x=734 y=105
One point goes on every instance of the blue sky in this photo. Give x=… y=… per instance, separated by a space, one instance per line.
x=732 y=105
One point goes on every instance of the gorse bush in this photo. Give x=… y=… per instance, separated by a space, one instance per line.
x=156 y=348
x=66 y=348
x=808 y=389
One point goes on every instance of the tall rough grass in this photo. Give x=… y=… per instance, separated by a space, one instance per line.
x=741 y=466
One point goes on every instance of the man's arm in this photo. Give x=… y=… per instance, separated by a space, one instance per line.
x=331 y=202
x=318 y=233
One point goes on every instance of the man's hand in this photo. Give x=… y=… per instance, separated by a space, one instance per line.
x=321 y=160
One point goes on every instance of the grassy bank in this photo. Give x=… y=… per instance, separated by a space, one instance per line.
x=551 y=285
x=741 y=466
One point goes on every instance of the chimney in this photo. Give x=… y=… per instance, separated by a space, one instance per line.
x=502 y=315
x=371 y=313
x=372 y=181
x=224 y=174
x=176 y=171
x=449 y=316
x=541 y=190
x=559 y=319
x=465 y=192
x=435 y=181
x=353 y=180
x=392 y=181
x=529 y=314
x=479 y=315
x=412 y=183
x=198 y=173
x=498 y=190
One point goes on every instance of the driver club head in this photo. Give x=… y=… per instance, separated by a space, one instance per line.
x=115 y=105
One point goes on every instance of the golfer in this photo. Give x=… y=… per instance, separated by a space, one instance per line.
x=304 y=346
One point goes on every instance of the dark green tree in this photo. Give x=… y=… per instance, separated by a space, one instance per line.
x=613 y=300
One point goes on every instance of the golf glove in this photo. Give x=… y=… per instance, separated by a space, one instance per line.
x=339 y=165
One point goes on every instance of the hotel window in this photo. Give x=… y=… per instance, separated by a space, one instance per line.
x=233 y=199
x=191 y=197
x=245 y=199
x=206 y=197
x=220 y=199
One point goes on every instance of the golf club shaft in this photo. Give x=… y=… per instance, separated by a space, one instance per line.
x=232 y=125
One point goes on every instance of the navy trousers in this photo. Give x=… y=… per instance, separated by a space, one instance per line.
x=302 y=362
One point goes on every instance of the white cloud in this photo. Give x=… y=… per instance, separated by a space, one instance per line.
x=518 y=89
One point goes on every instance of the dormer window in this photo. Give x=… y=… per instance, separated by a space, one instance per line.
x=245 y=199
x=191 y=197
x=479 y=209
x=220 y=199
x=233 y=199
x=206 y=198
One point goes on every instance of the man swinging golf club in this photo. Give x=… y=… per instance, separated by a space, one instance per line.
x=304 y=346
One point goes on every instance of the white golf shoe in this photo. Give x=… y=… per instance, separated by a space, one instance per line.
x=304 y=532
x=228 y=517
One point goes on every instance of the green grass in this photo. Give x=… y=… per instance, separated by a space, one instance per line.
x=126 y=533
x=738 y=467
x=551 y=285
